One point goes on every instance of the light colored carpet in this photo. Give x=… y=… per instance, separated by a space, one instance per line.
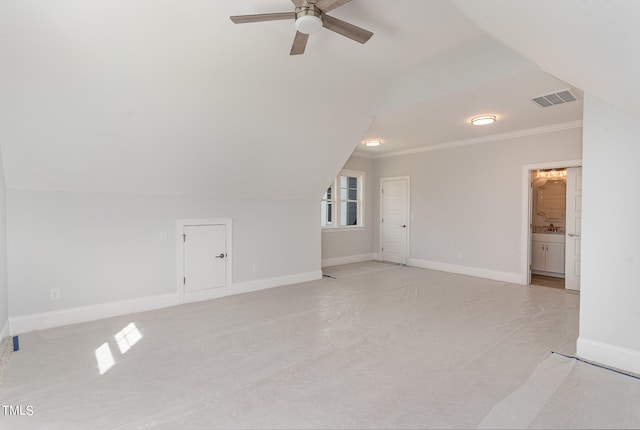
x=386 y=347
x=6 y=348
x=358 y=269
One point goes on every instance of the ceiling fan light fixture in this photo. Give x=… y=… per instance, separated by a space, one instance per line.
x=309 y=24
x=372 y=142
x=483 y=120
x=310 y=17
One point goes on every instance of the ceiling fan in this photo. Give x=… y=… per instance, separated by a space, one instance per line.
x=310 y=17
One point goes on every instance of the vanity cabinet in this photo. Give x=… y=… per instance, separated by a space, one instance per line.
x=547 y=254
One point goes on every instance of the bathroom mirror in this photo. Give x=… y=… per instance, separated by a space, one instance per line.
x=552 y=200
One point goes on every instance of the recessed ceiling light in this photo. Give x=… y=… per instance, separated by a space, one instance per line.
x=372 y=142
x=483 y=120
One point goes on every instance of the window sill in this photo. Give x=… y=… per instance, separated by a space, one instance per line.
x=337 y=229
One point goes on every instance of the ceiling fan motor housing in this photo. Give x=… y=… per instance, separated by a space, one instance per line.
x=308 y=19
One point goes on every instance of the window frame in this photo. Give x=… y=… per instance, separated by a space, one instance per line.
x=330 y=201
x=337 y=199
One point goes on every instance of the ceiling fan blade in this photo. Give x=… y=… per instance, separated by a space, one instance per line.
x=348 y=30
x=329 y=5
x=299 y=3
x=244 y=19
x=299 y=43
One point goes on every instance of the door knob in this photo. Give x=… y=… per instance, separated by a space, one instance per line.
x=220 y=256
x=403 y=226
x=573 y=235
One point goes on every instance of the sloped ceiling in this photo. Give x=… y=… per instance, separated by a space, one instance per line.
x=168 y=96
x=445 y=120
x=592 y=44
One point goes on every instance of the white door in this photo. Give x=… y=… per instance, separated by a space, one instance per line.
x=394 y=220
x=205 y=255
x=573 y=228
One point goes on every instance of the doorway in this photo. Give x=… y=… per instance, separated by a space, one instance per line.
x=204 y=259
x=548 y=220
x=551 y=224
x=394 y=219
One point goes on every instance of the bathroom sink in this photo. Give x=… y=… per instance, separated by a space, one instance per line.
x=551 y=236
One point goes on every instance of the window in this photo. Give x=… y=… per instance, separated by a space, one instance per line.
x=342 y=204
x=327 y=208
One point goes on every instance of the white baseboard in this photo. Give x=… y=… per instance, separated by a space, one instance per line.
x=512 y=278
x=279 y=281
x=609 y=355
x=250 y=286
x=327 y=262
x=204 y=295
x=4 y=334
x=26 y=323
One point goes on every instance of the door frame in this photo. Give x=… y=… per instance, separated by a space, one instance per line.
x=197 y=296
x=575 y=281
x=527 y=208
x=408 y=208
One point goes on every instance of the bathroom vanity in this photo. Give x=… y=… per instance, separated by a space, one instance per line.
x=547 y=256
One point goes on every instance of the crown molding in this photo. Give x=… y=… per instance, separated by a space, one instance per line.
x=359 y=154
x=475 y=140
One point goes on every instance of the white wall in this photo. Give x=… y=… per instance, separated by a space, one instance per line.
x=99 y=248
x=467 y=200
x=4 y=292
x=345 y=246
x=610 y=290
x=479 y=61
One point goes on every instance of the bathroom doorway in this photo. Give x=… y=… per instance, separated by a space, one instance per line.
x=551 y=235
x=548 y=225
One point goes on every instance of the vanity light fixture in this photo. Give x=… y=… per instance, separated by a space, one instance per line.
x=372 y=142
x=552 y=173
x=483 y=120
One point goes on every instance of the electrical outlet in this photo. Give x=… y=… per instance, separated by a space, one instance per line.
x=55 y=294
x=254 y=269
x=460 y=256
x=163 y=236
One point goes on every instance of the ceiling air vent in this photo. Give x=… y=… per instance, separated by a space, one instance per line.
x=553 y=99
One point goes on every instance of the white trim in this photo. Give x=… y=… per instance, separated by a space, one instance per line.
x=196 y=296
x=512 y=278
x=337 y=261
x=396 y=178
x=343 y=228
x=4 y=334
x=359 y=154
x=204 y=295
x=336 y=199
x=250 y=286
x=279 y=281
x=609 y=355
x=476 y=140
x=45 y=320
x=525 y=220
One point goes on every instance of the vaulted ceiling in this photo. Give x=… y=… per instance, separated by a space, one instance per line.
x=589 y=43
x=169 y=96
